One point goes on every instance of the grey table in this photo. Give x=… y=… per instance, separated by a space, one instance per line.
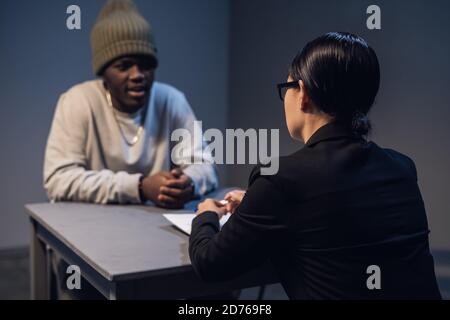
x=125 y=252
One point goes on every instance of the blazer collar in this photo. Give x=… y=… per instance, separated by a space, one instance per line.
x=329 y=131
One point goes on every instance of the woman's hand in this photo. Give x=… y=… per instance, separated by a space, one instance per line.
x=212 y=205
x=234 y=199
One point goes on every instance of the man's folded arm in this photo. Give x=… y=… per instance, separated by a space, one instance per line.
x=197 y=163
x=65 y=175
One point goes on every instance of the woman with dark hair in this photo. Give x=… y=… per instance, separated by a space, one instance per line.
x=343 y=218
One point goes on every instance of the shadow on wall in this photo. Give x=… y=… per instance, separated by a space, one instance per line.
x=442 y=269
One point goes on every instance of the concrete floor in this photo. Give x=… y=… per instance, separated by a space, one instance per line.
x=15 y=279
x=14 y=274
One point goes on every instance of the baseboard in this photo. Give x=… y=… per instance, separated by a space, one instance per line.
x=15 y=253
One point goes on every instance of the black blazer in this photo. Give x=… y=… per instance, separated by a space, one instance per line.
x=335 y=207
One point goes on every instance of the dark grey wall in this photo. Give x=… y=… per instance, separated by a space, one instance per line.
x=40 y=59
x=413 y=105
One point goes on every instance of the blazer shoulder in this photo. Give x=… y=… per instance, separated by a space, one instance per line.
x=403 y=160
x=278 y=178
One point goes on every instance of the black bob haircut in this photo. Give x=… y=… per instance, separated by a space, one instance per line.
x=341 y=74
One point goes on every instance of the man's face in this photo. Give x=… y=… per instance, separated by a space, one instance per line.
x=129 y=80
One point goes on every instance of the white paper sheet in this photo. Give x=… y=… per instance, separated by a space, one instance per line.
x=183 y=221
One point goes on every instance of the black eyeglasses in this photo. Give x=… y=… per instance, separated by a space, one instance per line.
x=283 y=88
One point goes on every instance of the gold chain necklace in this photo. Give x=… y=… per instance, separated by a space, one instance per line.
x=141 y=126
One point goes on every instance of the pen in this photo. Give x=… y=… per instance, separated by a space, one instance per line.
x=222 y=202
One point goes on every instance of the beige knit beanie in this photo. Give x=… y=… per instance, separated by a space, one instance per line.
x=120 y=30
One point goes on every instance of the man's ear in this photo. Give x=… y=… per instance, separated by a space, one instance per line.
x=304 y=98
